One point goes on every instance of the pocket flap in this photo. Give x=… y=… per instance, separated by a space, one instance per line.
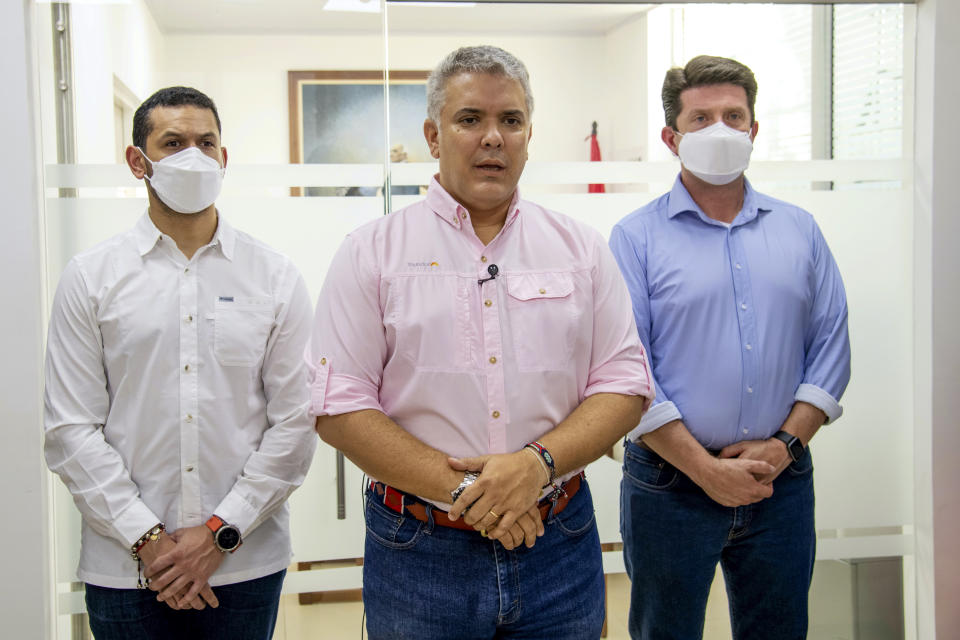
x=534 y=286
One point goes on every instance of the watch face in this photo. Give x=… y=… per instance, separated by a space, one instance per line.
x=228 y=538
x=796 y=449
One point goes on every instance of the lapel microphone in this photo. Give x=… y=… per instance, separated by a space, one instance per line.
x=493 y=270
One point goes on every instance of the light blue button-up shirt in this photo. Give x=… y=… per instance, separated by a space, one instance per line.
x=739 y=321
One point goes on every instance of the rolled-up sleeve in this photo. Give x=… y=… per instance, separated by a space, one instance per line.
x=348 y=347
x=618 y=361
x=827 y=343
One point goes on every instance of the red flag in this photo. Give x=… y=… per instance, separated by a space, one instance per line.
x=595 y=157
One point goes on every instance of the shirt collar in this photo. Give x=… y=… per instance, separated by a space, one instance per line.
x=147 y=235
x=681 y=202
x=444 y=205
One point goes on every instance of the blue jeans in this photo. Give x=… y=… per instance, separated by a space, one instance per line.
x=674 y=535
x=247 y=611
x=422 y=581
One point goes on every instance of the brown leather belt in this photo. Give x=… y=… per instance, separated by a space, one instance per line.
x=399 y=501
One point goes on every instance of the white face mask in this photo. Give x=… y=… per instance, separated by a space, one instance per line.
x=716 y=154
x=188 y=181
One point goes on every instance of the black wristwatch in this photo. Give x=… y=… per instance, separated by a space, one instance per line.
x=794 y=447
x=225 y=536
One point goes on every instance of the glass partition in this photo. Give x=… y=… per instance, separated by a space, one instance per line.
x=318 y=147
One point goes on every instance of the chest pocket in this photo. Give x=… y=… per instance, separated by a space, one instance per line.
x=241 y=327
x=431 y=317
x=543 y=320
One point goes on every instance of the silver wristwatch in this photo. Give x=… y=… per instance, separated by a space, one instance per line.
x=468 y=479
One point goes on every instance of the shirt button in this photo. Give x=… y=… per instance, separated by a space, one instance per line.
x=186 y=270
x=483 y=258
x=189 y=469
x=542 y=291
x=748 y=347
x=738 y=266
x=749 y=389
x=186 y=367
x=189 y=318
x=189 y=417
x=746 y=430
x=487 y=303
x=463 y=214
x=493 y=359
x=495 y=414
x=323 y=361
x=743 y=306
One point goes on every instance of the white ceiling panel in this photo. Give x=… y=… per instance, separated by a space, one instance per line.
x=308 y=16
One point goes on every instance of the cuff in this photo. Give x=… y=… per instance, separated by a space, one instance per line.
x=658 y=415
x=133 y=522
x=344 y=394
x=623 y=378
x=233 y=509
x=812 y=394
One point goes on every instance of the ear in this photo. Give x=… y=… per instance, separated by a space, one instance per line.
x=432 y=134
x=223 y=152
x=671 y=139
x=753 y=130
x=136 y=162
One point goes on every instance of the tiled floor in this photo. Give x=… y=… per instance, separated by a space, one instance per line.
x=342 y=621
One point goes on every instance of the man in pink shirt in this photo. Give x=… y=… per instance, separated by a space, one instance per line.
x=472 y=353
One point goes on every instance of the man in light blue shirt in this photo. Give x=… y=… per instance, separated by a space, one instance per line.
x=742 y=310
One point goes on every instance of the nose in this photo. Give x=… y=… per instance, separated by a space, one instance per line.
x=492 y=139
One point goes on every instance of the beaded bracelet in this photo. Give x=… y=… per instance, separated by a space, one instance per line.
x=545 y=456
x=543 y=465
x=149 y=536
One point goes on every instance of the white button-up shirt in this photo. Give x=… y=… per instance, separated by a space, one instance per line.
x=175 y=389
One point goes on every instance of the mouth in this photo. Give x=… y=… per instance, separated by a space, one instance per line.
x=491 y=166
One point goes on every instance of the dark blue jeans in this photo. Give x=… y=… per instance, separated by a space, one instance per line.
x=422 y=581
x=247 y=611
x=674 y=535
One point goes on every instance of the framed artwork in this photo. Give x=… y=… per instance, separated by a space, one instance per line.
x=337 y=117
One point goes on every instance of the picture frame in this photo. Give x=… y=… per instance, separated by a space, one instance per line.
x=336 y=116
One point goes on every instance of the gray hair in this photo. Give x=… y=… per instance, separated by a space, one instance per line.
x=480 y=59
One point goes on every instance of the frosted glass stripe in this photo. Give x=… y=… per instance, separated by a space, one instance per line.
x=536 y=173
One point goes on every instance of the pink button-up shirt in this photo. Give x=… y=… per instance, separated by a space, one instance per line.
x=404 y=327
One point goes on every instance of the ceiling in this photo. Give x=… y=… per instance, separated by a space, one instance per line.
x=307 y=16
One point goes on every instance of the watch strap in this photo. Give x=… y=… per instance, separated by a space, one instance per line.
x=792 y=443
x=214 y=524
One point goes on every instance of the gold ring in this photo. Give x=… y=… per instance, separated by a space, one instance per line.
x=495 y=514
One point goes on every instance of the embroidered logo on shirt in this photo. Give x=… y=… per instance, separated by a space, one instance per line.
x=423 y=266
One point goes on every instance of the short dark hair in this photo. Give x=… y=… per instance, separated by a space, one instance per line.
x=168 y=97
x=702 y=71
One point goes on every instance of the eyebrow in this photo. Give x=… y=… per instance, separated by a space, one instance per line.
x=178 y=134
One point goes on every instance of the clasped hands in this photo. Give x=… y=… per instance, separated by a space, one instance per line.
x=744 y=472
x=178 y=566
x=502 y=502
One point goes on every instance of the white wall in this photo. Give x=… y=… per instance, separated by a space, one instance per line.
x=25 y=591
x=937 y=307
x=247 y=76
x=110 y=40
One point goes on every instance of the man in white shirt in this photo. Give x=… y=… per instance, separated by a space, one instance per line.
x=175 y=401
